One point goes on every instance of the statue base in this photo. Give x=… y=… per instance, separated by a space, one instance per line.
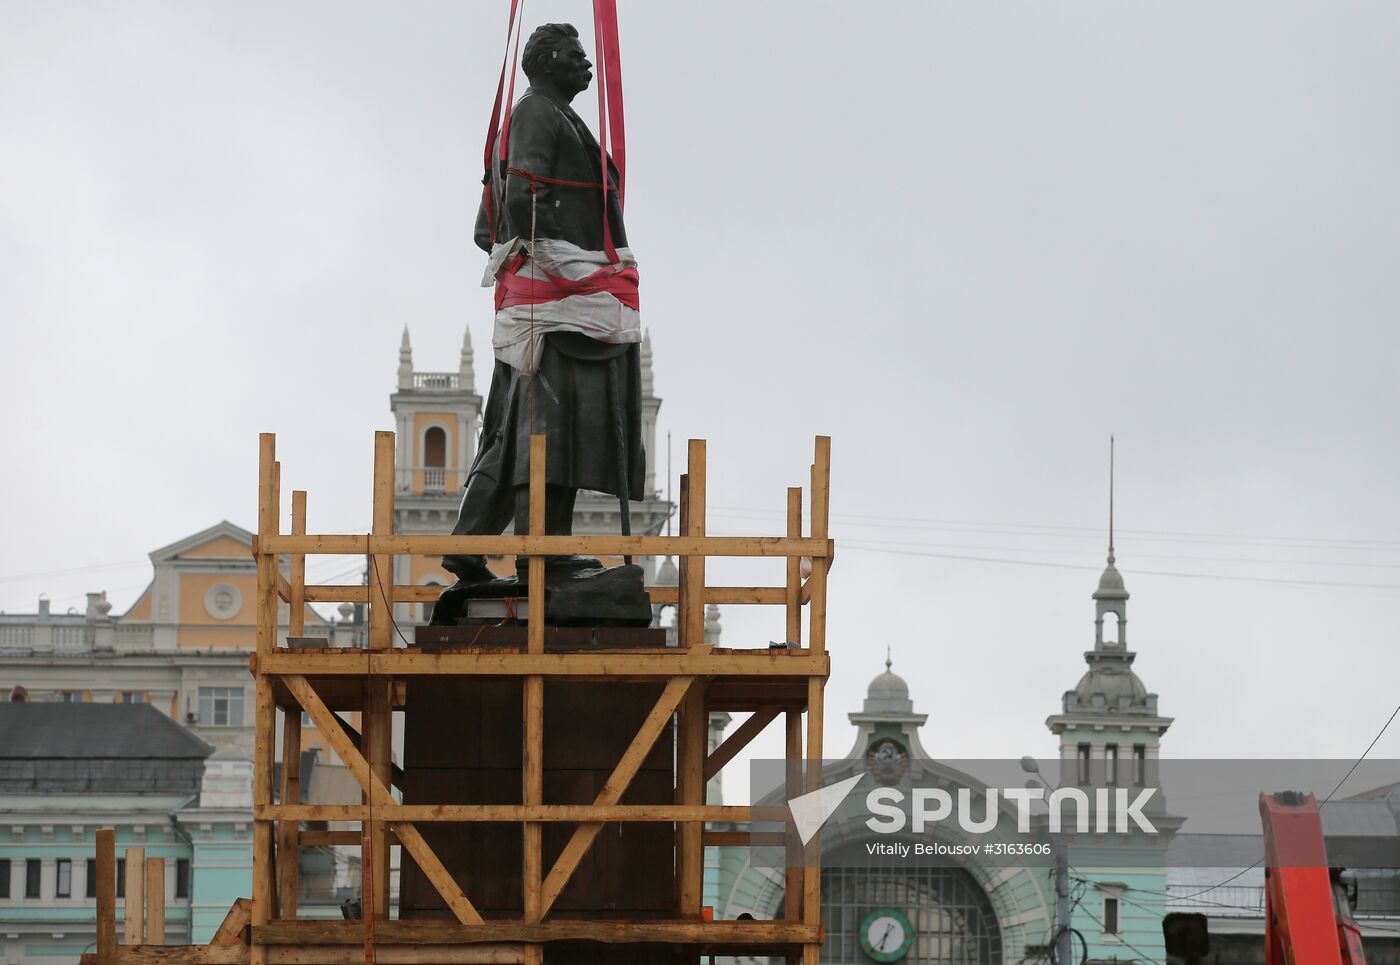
x=593 y=596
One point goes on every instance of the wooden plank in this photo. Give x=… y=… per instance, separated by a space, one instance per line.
x=134 y=911
x=287 y=831
x=266 y=612
x=155 y=901
x=738 y=740
x=483 y=954
x=793 y=590
x=614 y=787
x=729 y=595
x=512 y=813
x=792 y=757
x=377 y=722
x=183 y=955
x=604 y=665
x=744 y=839
x=532 y=705
x=106 y=896
x=348 y=753
x=821 y=510
x=418 y=932
x=690 y=766
x=693 y=612
x=297 y=600
x=440 y=877
x=602 y=545
x=233 y=929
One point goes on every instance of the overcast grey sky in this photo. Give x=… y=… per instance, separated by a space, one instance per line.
x=967 y=241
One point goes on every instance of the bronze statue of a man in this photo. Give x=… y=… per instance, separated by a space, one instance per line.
x=567 y=333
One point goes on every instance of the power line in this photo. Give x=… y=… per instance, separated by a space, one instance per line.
x=863 y=547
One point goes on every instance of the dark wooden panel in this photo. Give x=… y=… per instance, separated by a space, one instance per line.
x=462 y=745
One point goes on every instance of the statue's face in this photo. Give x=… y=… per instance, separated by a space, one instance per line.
x=571 y=69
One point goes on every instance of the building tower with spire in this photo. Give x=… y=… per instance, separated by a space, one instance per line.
x=1109 y=731
x=437 y=417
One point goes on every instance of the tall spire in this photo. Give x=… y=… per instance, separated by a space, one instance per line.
x=1110 y=501
x=648 y=385
x=405 y=362
x=466 y=370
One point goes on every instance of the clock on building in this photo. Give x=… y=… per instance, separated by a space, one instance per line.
x=886 y=935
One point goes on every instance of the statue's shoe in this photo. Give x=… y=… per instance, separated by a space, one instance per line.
x=468 y=569
x=558 y=568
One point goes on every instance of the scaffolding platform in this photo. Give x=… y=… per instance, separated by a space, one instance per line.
x=692 y=680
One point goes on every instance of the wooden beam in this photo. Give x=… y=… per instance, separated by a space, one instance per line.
x=377 y=722
x=373 y=784
x=435 y=872
x=792 y=758
x=614 y=787
x=609 y=665
x=287 y=831
x=604 y=545
x=414 y=932
x=106 y=896
x=693 y=611
x=134 y=912
x=532 y=707
x=348 y=753
x=416 y=593
x=511 y=814
x=233 y=930
x=155 y=901
x=266 y=611
x=793 y=590
x=738 y=740
x=297 y=601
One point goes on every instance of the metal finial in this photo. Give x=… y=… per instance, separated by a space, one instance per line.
x=1110 y=501
x=888 y=662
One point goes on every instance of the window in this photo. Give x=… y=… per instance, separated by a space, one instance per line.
x=435 y=448
x=1139 y=764
x=1110 y=764
x=121 y=877
x=1110 y=914
x=4 y=877
x=91 y=890
x=182 y=877
x=306 y=720
x=221 y=706
x=70 y=696
x=31 y=877
x=63 y=881
x=131 y=697
x=1083 y=763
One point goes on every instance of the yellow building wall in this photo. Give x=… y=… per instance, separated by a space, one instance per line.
x=141 y=609
x=452 y=479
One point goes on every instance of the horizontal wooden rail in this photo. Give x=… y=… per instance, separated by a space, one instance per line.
x=343 y=545
x=515 y=813
x=482 y=954
x=427 y=592
x=731 y=933
x=612 y=664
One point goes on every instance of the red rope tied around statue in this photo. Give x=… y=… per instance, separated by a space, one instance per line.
x=498 y=109
x=611 y=122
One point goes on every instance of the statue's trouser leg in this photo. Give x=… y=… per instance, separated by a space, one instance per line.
x=487 y=506
x=558 y=521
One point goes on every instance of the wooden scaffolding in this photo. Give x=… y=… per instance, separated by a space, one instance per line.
x=766 y=681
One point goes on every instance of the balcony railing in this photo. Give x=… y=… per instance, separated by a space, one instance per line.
x=441 y=381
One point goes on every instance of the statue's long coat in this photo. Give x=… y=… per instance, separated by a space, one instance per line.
x=569 y=399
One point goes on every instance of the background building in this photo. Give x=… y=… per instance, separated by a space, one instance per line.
x=66 y=771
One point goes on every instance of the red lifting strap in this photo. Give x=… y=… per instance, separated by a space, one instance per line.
x=608 y=61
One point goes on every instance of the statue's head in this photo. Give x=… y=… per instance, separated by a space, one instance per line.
x=555 y=58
